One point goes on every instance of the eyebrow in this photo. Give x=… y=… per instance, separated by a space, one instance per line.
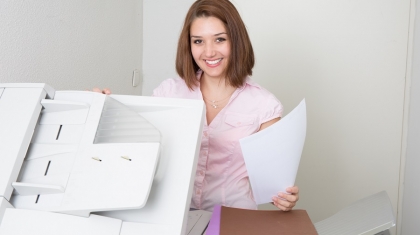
x=218 y=34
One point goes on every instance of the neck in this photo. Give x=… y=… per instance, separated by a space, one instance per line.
x=213 y=83
x=216 y=92
x=215 y=88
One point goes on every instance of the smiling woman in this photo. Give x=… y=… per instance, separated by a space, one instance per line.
x=210 y=46
x=214 y=61
x=231 y=29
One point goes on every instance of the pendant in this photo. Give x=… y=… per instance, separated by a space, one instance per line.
x=213 y=103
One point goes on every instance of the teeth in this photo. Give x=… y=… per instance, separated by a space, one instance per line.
x=213 y=61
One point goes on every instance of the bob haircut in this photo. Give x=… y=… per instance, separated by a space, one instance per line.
x=241 y=59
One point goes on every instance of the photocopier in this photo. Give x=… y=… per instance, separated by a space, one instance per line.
x=80 y=162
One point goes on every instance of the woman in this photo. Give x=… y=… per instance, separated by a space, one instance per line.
x=214 y=61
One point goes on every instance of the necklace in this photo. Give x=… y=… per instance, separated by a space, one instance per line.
x=215 y=103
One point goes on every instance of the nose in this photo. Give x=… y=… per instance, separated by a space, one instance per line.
x=210 y=50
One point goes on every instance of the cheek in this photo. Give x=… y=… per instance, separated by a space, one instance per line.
x=226 y=51
x=195 y=53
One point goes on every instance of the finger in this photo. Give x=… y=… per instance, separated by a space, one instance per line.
x=281 y=207
x=289 y=197
x=283 y=203
x=97 y=90
x=294 y=190
x=106 y=91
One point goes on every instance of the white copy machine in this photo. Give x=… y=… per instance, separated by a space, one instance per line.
x=77 y=162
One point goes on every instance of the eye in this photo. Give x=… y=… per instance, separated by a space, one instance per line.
x=220 y=39
x=198 y=41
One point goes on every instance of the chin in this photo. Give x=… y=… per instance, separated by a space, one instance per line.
x=213 y=73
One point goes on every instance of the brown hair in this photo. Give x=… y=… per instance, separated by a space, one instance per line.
x=241 y=59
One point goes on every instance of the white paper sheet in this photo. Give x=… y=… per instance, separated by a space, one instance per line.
x=272 y=155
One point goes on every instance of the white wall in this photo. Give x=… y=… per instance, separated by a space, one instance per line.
x=71 y=44
x=411 y=205
x=162 y=25
x=348 y=58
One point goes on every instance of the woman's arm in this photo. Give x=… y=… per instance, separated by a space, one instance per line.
x=269 y=123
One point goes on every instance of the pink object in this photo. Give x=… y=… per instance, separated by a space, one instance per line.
x=221 y=176
x=214 y=224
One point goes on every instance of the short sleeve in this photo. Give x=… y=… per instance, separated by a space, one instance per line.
x=165 y=89
x=175 y=88
x=273 y=109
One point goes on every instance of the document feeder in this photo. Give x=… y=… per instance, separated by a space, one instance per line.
x=78 y=153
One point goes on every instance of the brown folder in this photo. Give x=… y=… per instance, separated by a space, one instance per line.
x=235 y=221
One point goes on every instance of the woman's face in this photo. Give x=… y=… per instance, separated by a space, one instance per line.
x=210 y=46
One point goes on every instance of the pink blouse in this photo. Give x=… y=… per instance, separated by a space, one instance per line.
x=221 y=176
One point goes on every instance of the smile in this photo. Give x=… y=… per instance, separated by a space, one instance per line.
x=213 y=62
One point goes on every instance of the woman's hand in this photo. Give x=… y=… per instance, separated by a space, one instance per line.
x=286 y=202
x=105 y=91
